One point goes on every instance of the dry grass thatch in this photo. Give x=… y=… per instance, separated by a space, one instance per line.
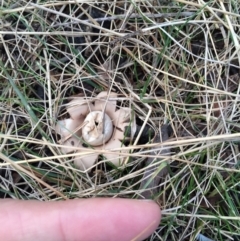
x=175 y=63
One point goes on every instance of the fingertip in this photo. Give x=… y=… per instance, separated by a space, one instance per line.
x=138 y=218
x=151 y=215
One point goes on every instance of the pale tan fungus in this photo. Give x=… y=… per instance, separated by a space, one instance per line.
x=98 y=129
x=101 y=134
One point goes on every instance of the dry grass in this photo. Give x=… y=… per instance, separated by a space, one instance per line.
x=174 y=62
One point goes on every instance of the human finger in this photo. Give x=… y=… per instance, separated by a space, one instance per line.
x=85 y=219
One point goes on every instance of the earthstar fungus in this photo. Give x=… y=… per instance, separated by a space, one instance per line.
x=96 y=126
